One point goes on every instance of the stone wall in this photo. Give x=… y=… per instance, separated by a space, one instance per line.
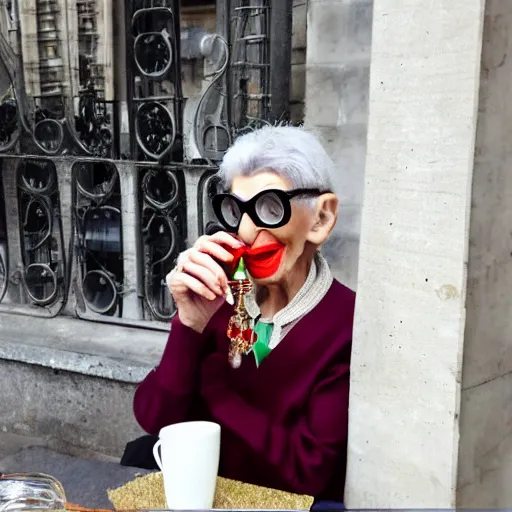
x=298 y=78
x=485 y=449
x=337 y=76
x=69 y=411
x=70 y=389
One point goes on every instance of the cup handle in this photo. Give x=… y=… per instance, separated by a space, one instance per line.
x=156 y=454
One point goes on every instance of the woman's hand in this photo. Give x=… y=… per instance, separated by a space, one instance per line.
x=198 y=283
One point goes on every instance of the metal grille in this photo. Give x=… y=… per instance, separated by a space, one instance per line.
x=211 y=127
x=4 y=262
x=156 y=80
x=42 y=245
x=90 y=71
x=91 y=124
x=250 y=63
x=49 y=43
x=102 y=190
x=161 y=236
x=98 y=230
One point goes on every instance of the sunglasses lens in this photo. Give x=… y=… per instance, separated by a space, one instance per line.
x=230 y=212
x=269 y=208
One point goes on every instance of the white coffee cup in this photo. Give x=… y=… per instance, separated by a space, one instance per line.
x=190 y=463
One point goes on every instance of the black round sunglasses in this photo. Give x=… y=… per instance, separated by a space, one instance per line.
x=267 y=209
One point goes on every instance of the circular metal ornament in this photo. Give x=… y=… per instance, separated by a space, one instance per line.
x=38 y=276
x=99 y=291
x=155 y=129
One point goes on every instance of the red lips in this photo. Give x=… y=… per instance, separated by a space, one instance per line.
x=262 y=261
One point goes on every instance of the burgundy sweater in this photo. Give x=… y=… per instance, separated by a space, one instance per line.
x=284 y=424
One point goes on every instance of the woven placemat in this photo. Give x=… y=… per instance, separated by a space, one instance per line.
x=147 y=493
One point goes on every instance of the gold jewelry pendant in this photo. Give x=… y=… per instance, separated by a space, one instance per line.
x=239 y=330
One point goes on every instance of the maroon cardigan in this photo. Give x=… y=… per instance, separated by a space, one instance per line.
x=284 y=424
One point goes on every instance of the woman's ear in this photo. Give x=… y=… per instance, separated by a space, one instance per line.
x=326 y=215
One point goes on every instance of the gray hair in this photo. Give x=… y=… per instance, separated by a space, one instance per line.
x=291 y=152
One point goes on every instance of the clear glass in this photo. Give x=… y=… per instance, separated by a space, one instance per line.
x=31 y=491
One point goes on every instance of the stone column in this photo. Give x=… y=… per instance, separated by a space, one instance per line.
x=431 y=394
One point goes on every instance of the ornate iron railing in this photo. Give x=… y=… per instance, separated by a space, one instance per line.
x=101 y=192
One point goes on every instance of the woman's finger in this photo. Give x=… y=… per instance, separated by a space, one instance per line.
x=207 y=261
x=214 y=249
x=194 y=285
x=221 y=237
x=182 y=257
x=169 y=278
x=205 y=275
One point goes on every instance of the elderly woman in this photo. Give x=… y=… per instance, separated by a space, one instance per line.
x=283 y=412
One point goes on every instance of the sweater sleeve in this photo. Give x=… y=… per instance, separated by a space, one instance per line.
x=165 y=396
x=305 y=455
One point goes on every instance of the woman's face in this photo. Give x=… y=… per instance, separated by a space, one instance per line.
x=292 y=235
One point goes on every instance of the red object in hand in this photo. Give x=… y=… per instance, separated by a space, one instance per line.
x=262 y=261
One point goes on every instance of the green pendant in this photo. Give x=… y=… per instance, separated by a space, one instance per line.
x=240 y=272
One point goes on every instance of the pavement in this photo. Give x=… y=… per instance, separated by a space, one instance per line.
x=85 y=478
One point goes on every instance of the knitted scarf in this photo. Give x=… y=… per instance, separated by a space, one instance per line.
x=313 y=290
